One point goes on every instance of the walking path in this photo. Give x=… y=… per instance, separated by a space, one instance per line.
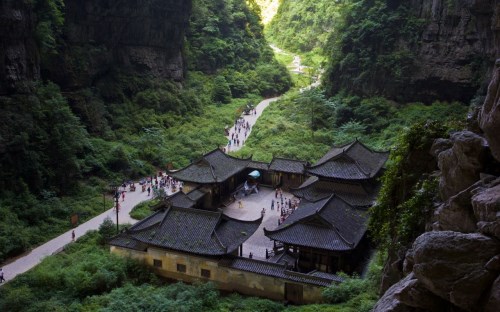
x=251 y=119
x=53 y=246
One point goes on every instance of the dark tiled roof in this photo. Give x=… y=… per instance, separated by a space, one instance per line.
x=128 y=242
x=329 y=224
x=193 y=230
x=214 y=167
x=276 y=270
x=284 y=258
x=287 y=165
x=195 y=194
x=326 y=275
x=182 y=200
x=353 y=161
x=356 y=194
x=258 y=165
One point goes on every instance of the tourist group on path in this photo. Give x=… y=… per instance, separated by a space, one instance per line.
x=241 y=130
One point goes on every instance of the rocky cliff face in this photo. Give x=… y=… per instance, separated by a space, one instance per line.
x=456 y=265
x=19 y=57
x=140 y=37
x=457 y=49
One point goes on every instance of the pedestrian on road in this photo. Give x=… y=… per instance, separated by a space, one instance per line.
x=73 y=235
x=263 y=212
x=149 y=190
x=250 y=255
x=240 y=204
x=2 y=279
x=272 y=204
x=123 y=196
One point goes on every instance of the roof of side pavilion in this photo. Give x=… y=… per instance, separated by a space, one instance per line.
x=354 y=193
x=287 y=165
x=190 y=230
x=353 y=161
x=214 y=167
x=328 y=224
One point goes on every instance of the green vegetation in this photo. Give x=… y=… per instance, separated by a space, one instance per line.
x=143 y=209
x=366 y=46
x=60 y=152
x=408 y=189
x=305 y=125
x=303 y=26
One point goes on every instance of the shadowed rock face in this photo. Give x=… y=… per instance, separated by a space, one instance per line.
x=489 y=118
x=19 y=58
x=459 y=40
x=141 y=37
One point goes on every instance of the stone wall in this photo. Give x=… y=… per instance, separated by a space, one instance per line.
x=225 y=278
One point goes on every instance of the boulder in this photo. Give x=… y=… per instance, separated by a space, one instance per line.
x=456 y=214
x=408 y=295
x=462 y=164
x=493 y=302
x=489 y=117
x=486 y=203
x=490 y=228
x=452 y=265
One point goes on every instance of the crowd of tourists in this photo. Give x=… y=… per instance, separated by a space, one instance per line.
x=285 y=206
x=239 y=135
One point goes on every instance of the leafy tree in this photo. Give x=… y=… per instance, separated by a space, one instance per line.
x=107 y=229
x=221 y=91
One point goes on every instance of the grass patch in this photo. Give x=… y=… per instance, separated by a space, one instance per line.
x=143 y=209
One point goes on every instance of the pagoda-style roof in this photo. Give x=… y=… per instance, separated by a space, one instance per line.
x=287 y=165
x=328 y=224
x=189 y=230
x=258 y=165
x=353 y=161
x=354 y=193
x=214 y=167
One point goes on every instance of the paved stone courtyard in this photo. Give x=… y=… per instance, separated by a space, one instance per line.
x=252 y=207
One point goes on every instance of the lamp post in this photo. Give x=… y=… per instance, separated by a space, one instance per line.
x=116 y=195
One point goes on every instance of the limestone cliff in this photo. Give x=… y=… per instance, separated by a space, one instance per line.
x=456 y=265
x=457 y=48
x=417 y=50
x=140 y=37
x=19 y=57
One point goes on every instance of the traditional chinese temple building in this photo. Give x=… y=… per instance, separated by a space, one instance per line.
x=215 y=175
x=327 y=232
x=190 y=245
x=188 y=238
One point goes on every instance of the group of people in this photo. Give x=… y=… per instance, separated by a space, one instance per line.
x=241 y=130
x=285 y=206
x=165 y=182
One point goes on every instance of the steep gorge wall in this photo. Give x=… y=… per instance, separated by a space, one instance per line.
x=418 y=50
x=139 y=37
x=19 y=56
x=458 y=47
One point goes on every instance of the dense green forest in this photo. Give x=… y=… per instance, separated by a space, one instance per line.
x=61 y=150
x=303 y=26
